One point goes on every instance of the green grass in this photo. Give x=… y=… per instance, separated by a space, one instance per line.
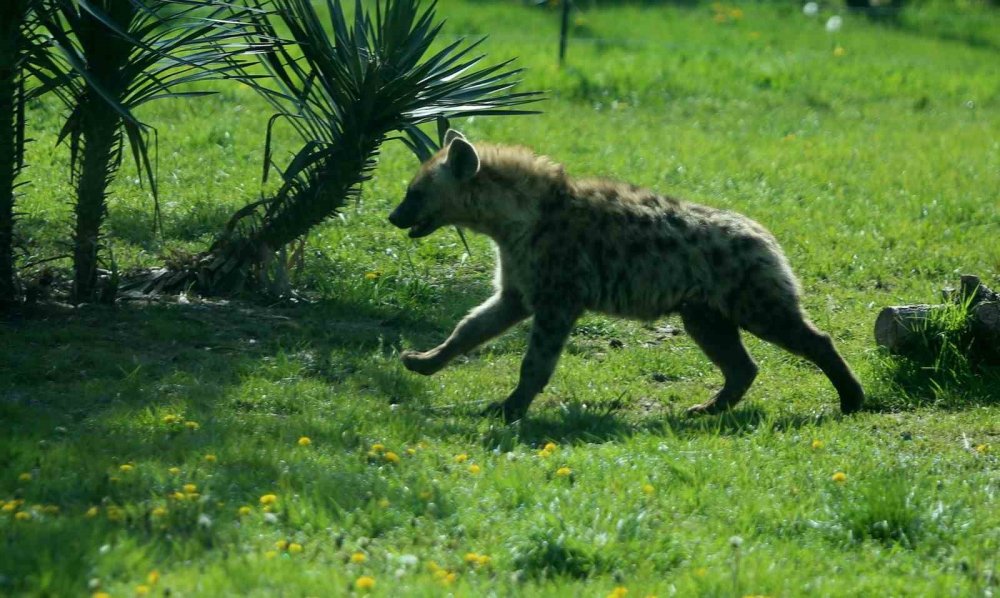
x=877 y=169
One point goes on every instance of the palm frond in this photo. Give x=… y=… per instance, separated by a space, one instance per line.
x=121 y=54
x=108 y=57
x=346 y=85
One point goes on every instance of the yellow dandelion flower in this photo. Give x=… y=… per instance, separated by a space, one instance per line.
x=294 y=548
x=141 y=590
x=433 y=567
x=115 y=513
x=244 y=511
x=304 y=441
x=462 y=458
x=411 y=451
x=22 y=515
x=171 y=419
x=281 y=544
x=24 y=477
x=190 y=488
x=268 y=499
x=471 y=557
x=92 y=512
x=177 y=495
x=839 y=51
x=391 y=457
x=550 y=446
x=270 y=554
x=736 y=14
x=983 y=449
x=475 y=469
x=158 y=512
x=648 y=489
x=8 y=507
x=839 y=477
x=192 y=425
x=174 y=470
x=817 y=444
x=358 y=557
x=450 y=578
x=153 y=577
x=564 y=472
x=373 y=275
x=378 y=447
x=384 y=503
x=100 y=595
x=210 y=458
x=126 y=468
x=544 y=453
x=483 y=560
x=619 y=592
x=364 y=583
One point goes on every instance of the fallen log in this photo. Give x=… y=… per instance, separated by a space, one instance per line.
x=904 y=329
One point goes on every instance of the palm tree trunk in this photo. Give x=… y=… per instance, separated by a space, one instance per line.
x=12 y=16
x=100 y=156
x=8 y=171
x=340 y=177
x=230 y=263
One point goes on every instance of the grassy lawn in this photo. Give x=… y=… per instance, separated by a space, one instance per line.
x=206 y=447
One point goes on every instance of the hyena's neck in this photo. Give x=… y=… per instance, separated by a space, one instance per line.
x=511 y=191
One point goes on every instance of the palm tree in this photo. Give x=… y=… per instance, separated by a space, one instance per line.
x=19 y=43
x=345 y=90
x=114 y=56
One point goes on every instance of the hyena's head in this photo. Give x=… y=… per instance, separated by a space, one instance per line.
x=439 y=194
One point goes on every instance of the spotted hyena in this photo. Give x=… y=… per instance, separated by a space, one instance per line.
x=569 y=245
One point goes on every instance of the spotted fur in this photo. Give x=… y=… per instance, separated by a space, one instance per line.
x=569 y=245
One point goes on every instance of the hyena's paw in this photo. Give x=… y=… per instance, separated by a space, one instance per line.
x=421 y=363
x=712 y=406
x=851 y=401
x=505 y=410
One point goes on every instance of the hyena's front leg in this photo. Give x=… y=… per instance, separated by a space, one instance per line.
x=498 y=313
x=549 y=332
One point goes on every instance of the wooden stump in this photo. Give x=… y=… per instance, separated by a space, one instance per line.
x=903 y=328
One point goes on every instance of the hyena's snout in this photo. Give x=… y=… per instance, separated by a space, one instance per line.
x=412 y=214
x=404 y=216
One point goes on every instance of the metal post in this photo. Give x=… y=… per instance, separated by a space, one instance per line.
x=564 y=31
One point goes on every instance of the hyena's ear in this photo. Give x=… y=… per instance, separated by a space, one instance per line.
x=463 y=161
x=451 y=135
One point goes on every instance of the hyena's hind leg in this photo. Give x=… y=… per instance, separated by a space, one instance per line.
x=790 y=330
x=719 y=338
x=497 y=314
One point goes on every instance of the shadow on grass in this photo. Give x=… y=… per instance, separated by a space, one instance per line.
x=575 y=424
x=902 y=383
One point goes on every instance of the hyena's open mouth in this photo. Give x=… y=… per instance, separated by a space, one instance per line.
x=422 y=228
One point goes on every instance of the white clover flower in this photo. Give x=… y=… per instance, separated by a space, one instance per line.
x=833 y=24
x=810 y=9
x=204 y=521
